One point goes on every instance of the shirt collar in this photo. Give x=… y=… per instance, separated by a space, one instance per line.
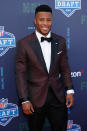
x=39 y=35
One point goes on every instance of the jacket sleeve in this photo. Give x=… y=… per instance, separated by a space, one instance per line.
x=64 y=68
x=21 y=68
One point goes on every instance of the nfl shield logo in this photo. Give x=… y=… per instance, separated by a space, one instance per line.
x=68 y=7
x=7 y=111
x=7 y=41
x=1 y=30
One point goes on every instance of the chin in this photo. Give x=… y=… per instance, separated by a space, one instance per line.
x=45 y=33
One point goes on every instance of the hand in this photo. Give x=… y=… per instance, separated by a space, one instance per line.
x=27 y=108
x=69 y=100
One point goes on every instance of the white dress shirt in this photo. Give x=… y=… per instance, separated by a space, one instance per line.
x=46 y=49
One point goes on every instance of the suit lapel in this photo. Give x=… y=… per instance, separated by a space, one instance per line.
x=38 y=52
x=54 y=50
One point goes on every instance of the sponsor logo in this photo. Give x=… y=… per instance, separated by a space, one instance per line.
x=77 y=74
x=68 y=7
x=7 y=111
x=7 y=41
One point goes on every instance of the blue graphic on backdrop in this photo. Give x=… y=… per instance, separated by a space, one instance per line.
x=73 y=127
x=68 y=39
x=2 y=78
x=68 y=7
x=7 y=111
x=70 y=125
x=7 y=41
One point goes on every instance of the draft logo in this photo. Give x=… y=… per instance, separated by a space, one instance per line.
x=7 y=111
x=7 y=41
x=68 y=7
x=73 y=127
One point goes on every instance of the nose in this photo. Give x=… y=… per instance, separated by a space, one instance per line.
x=45 y=22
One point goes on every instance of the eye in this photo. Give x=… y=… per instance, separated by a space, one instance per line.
x=41 y=19
x=49 y=19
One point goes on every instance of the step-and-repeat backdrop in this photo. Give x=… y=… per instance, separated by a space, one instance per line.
x=16 y=21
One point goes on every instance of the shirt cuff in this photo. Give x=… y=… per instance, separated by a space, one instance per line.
x=70 y=91
x=25 y=102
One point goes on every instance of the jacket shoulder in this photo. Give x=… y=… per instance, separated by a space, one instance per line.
x=60 y=38
x=28 y=38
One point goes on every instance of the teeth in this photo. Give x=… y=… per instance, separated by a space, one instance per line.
x=45 y=28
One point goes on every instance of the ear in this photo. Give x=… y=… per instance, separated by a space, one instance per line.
x=35 y=21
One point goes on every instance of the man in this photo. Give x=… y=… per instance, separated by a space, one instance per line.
x=40 y=61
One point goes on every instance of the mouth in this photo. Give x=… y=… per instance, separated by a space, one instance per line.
x=45 y=28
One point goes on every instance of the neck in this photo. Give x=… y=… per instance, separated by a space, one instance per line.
x=49 y=33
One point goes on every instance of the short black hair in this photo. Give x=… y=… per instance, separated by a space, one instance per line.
x=43 y=8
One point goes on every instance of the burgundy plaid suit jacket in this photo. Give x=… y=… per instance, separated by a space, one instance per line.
x=32 y=77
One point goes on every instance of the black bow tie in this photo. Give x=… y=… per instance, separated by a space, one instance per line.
x=46 y=39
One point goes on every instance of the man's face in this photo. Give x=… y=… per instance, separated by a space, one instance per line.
x=43 y=22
